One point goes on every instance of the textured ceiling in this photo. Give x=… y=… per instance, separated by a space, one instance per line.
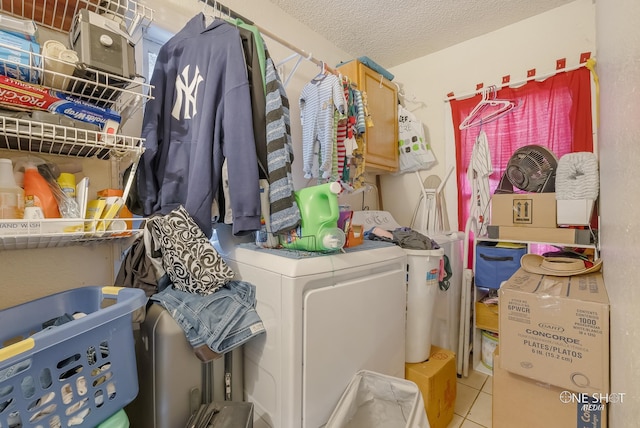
x=392 y=32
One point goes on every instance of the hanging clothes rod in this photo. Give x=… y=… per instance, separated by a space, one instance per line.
x=216 y=5
x=515 y=84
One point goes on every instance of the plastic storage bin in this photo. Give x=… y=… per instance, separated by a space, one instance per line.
x=375 y=400
x=78 y=373
x=495 y=264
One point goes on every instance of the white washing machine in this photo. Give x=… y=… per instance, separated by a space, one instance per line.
x=446 y=318
x=326 y=318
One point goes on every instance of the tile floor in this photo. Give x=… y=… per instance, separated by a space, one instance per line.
x=473 y=402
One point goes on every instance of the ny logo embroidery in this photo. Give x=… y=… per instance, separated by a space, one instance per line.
x=186 y=93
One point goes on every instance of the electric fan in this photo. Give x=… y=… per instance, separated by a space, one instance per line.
x=531 y=168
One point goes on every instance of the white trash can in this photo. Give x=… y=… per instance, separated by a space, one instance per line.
x=423 y=271
x=375 y=400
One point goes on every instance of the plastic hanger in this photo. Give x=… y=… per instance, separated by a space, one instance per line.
x=209 y=12
x=487 y=110
x=323 y=73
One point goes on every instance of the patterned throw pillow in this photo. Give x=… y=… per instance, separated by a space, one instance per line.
x=191 y=262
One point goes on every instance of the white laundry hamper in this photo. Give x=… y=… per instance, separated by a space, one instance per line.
x=375 y=400
x=423 y=272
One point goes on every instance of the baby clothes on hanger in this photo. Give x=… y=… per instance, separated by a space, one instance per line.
x=318 y=101
x=341 y=132
x=353 y=160
x=358 y=162
x=360 y=125
x=334 y=146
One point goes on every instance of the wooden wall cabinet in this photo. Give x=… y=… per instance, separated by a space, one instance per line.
x=381 y=139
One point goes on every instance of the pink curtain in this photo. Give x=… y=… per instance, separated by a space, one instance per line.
x=555 y=113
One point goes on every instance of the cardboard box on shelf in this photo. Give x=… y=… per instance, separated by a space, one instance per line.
x=526 y=403
x=523 y=209
x=556 y=235
x=575 y=211
x=556 y=330
x=487 y=316
x=437 y=380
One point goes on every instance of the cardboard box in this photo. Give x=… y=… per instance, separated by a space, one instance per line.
x=526 y=403
x=574 y=211
x=524 y=209
x=556 y=235
x=437 y=380
x=556 y=330
x=487 y=316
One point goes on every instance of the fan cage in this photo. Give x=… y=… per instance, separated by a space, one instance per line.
x=532 y=169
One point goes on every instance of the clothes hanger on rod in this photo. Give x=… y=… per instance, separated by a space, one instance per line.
x=209 y=12
x=322 y=74
x=488 y=109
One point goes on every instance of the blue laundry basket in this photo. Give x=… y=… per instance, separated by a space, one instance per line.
x=79 y=373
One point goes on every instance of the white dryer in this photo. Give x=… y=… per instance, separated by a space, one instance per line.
x=326 y=318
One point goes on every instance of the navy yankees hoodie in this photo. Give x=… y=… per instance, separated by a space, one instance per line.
x=200 y=115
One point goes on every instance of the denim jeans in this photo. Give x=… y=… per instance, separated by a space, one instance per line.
x=222 y=320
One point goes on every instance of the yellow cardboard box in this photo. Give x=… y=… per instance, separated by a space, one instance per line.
x=437 y=381
x=487 y=316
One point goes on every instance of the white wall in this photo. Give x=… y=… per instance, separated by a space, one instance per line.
x=537 y=42
x=619 y=139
